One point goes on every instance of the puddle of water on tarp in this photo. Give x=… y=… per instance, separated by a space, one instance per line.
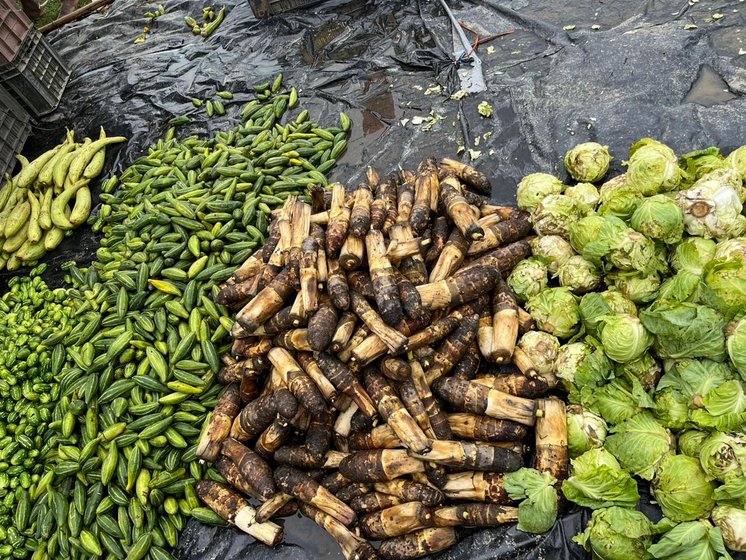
x=709 y=89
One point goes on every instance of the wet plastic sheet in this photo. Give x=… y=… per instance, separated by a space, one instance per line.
x=661 y=68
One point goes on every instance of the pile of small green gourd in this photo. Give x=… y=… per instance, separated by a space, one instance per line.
x=30 y=313
x=638 y=289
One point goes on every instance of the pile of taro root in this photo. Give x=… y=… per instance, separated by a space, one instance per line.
x=374 y=383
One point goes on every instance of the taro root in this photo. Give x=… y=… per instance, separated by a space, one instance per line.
x=219 y=426
x=232 y=507
x=361 y=392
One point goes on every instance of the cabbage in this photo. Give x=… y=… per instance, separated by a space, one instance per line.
x=555 y=213
x=722 y=407
x=645 y=369
x=695 y=378
x=735 y=342
x=681 y=488
x=712 y=208
x=737 y=161
x=585 y=193
x=690 y=442
x=685 y=330
x=538 y=510
x=615 y=401
x=652 y=168
x=581 y=364
x=535 y=187
x=585 y=430
x=542 y=348
x=671 y=408
x=618 y=198
x=659 y=218
x=555 y=311
x=633 y=251
x=693 y=254
x=597 y=481
x=725 y=285
x=552 y=249
x=621 y=246
x=695 y=540
x=700 y=162
x=728 y=176
x=528 y=278
x=569 y=359
x=595 y=305
x=588 y=162
x=731 y=249
x=585 y=231
x=623 y=337
x=579 y=274
x=617 y=534
x=682 y=286
x=732 y=493
x=638 y=287
x=723 y=456
x=732 y=524
x=639 y=444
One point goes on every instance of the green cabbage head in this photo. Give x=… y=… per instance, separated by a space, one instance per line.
x=617 y=533
x=584 y=192
x=712 y=209
x=552 y=249
x=690 y=442
x=579 y=274
x=588 y=162
x=640 y=444
x=723 y=456
x=682 y=489
x=528 y=278
x=624 y=337
x=652 y=168
x=737 y=160
x=732 y=524
x=731 y=249
x=735 y=342
x=659 y=218
x=595 y=305
x=535 y=187
x=693 y=254
x=585 y=231
x=555 y=311
x=555 y=213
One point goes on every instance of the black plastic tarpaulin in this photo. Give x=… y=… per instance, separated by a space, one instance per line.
x=612 y=71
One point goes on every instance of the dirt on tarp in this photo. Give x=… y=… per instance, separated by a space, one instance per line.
x=610 y=71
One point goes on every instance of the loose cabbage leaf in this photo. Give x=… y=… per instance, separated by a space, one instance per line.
x=693 y=540
x=732 y=492
x=538 y=510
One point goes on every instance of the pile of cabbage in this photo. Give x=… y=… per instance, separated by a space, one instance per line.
x=637 y=285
